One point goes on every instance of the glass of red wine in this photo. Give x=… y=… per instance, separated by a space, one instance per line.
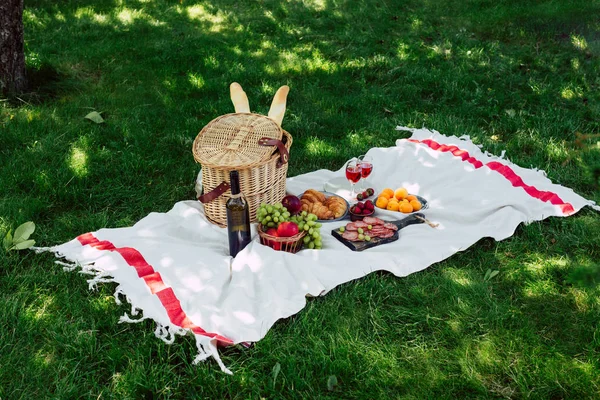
x=366 y=167
x=353 y=174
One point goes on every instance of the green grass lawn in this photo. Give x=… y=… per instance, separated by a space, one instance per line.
x=520 y=76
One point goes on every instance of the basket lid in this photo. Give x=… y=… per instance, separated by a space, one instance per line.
x=231 y=141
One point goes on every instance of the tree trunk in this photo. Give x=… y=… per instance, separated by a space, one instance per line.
x=12 y=56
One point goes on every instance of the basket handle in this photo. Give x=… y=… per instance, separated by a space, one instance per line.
x=284 y=156
x=213 y=194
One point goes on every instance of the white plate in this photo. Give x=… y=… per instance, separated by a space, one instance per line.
x=327 y=195
x=380 y=212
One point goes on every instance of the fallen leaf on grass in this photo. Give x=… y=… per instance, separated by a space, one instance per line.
x=95 y=117
x=331 y=382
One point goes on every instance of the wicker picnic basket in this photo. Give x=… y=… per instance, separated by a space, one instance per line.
x=254 y=145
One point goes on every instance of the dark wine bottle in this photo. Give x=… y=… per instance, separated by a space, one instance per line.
x=238 y=217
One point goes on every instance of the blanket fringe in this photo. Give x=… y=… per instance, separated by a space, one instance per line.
x=207 y=347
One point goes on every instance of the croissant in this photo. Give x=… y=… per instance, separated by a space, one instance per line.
x=306 y=205
x=320 y=196
x=336 y=205
x=310 y=197
x=321 y=211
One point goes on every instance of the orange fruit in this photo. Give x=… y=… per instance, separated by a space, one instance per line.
x=406 y=208
x=400 y=193
x=392 y=206
x=404 y=201
x=411 y=197
x=387 y=193
x=416 y=205
x=382 y=202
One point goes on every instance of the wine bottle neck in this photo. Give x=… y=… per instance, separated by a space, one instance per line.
x=234 y=181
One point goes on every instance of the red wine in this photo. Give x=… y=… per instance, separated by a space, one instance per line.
x=238 y=217
x=353 y=174
x=366 y=169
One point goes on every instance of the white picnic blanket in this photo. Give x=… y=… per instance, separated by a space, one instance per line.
x=174 y=267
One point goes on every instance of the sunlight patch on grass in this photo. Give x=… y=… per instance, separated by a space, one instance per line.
x=381 y=357
x=575 y=64
x=88 y=13
x=571 y=92
x=78 y=161
x=200 y=13
x=539 y=289
x=316 y=5
x=318 y=147
x=581 y=299
x=538 y=88
x=557 y=151
x=38 y=311
x=458 y=276
x=59 y=16
x=579 y=42
x=441 y=50
x=4 y=227
x=291 y=61
x=455 y=325
x=403 y=51
x=486 y=353
x=416 y=24
x=196 y=80
x=128 y=16
x=42 y=358
x=355 y=139
x=31 y=19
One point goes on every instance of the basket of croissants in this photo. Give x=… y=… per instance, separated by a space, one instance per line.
x=324 y=206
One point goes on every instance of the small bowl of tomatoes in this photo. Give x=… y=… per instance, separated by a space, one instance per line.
x=361 y=209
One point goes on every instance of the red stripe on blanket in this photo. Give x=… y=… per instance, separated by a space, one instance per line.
x=505 y=171
x=155 y=283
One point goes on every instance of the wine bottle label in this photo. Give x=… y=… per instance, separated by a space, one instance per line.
x=237 y=221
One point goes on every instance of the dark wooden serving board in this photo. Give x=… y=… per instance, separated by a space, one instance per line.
x=363 y=245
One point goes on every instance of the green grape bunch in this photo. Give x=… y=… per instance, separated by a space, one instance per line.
x=271 y=215
x=308 y=223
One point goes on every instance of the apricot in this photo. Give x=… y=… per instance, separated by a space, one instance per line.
x=382 y=202
x=406 y=208
x=400 y=193
x=416 y=205
x=387 y=193
x=392 y=206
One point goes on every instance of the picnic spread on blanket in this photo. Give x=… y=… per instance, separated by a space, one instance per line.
x=224 y=268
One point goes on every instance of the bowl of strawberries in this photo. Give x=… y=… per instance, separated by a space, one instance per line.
x=361 y=209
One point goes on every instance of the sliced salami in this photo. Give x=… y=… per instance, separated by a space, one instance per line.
x=379 y=221
x=390 y=226
x=387 y=235
x=351 y=226
x=350 y=235
x=361 y=224
x=370 y=220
